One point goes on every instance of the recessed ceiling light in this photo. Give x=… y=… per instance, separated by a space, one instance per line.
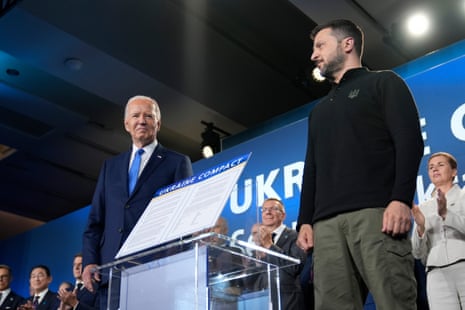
x=418 y=24
x=73 y=64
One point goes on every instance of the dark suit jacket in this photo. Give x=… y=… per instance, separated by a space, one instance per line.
x=87 y=300
x=290 y=289
x=49 y=302
x=114 y=212
x=12 y=301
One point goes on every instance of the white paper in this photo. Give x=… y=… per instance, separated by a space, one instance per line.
x=184 y=209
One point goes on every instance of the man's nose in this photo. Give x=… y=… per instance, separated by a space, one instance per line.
x=313 y=56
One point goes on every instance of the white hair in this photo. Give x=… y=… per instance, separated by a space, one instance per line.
x=141 y=97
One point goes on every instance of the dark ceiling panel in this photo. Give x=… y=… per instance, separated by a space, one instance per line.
x=23 y=123
x=233 y=63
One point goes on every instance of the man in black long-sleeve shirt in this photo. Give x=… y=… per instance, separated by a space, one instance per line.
x=364 y=148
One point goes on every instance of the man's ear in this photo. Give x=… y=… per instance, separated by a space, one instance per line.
x=126 y=127
x=348 y=44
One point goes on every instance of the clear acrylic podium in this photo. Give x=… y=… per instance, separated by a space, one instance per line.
x=208 y=271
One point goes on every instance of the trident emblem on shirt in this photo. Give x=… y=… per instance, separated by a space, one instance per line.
x=353 y=93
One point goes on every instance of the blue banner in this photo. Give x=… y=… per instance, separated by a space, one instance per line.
x=208 y=173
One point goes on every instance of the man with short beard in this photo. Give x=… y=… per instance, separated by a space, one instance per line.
x=363 y=152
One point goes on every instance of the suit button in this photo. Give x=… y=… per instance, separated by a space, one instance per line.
x=120 y=230
x=127 y=206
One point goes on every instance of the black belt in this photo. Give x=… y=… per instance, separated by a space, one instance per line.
x=430 y=268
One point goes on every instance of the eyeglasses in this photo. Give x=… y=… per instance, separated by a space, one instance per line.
x=271 y=209
x=4 y=277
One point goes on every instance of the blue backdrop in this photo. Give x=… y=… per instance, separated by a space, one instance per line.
x=274 y=169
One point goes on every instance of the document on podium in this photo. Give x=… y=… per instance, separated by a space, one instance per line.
x=185 y=207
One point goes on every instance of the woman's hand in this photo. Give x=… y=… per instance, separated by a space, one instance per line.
x=419 y=219
x=442 y=204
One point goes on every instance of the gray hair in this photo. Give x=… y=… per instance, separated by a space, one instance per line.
x=139 y=97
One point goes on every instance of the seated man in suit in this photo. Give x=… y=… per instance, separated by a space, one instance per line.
x=43 y=298
x=274 y=235
x=80 y=298
x=8 y=298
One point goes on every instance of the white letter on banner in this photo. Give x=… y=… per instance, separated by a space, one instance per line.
x=456 y=123
x=265 y=187
x=293 y=176
x=427 y=149
x=234 y=198
x=236 y=234
x=422 y=193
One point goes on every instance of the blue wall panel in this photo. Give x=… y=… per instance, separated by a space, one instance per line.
x=275 y=168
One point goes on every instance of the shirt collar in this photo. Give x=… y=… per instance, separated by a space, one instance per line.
x=41 y=295
x=148 y=149
x=278 y=231
x=351 y=73
x=5 y=292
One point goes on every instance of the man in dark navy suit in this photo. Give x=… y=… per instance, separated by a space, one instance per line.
x=8 y=298
x=118 y=203
x=80 y=298
x=42 y=298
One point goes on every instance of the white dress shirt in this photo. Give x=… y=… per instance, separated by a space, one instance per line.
x=41 y=295
x=278 y=231
x=148 y=151
x=4 y=293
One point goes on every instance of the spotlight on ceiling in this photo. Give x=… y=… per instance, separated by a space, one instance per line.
x=418 y=24
x=316 y=74
x=211 y=139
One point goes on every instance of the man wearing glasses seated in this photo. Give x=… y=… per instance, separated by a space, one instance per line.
x=274 y=235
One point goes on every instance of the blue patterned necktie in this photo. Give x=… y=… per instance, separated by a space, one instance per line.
x=134 y=170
